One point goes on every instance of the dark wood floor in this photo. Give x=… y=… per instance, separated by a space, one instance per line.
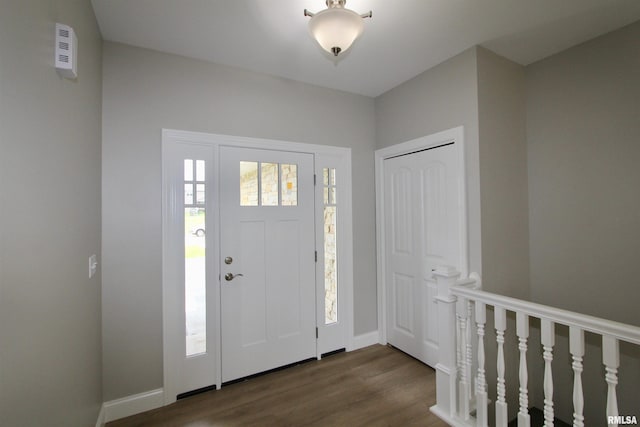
x=374 y=386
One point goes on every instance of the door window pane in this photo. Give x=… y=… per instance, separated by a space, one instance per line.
x=200 y=194
x=269 y=184
x=248 y=183
x=188 y=170
x=289 y=179
x=200 y=170
x=276 y=183
x=188 y=194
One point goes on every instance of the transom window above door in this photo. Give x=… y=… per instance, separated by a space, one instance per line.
x=268 y=184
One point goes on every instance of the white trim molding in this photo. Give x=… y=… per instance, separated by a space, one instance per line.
x=131 y=405
x=365 y=340
x=101 y=422
x=455 y=135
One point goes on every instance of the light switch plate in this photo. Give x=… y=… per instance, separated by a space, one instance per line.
x=93 y=265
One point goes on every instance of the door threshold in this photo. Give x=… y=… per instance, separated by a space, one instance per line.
x=259 y=374
x=331 y=353
x=194 y=392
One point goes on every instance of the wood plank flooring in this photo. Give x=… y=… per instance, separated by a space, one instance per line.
x=374 y=386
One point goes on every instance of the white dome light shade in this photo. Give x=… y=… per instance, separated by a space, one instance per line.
x=336 y=29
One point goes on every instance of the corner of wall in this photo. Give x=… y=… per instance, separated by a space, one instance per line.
x=503 y=174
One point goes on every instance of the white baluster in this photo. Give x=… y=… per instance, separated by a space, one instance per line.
x=481 y=382
x=463 y=386
x=576 y=348
x=611 y=360
x=522 y=330
x=548 y=340
x=500 y=315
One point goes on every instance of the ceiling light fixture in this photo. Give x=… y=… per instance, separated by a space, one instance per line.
x=336 y=28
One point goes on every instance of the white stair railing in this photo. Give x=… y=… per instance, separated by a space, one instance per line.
x=462 y=312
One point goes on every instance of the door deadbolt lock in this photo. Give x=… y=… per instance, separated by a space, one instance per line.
x=230 y=276
x=228 y=260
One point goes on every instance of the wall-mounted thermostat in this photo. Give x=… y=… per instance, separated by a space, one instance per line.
x=66 y=51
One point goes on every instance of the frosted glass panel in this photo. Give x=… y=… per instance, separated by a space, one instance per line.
x=289 y=179
x=248 y=183
x=269 y=190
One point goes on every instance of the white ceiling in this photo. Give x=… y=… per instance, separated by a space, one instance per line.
x=404 y=37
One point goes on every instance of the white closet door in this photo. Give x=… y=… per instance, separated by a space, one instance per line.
x=422 y=232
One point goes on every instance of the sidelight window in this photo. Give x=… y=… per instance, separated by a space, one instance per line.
x=330 y=247
x=194 y=257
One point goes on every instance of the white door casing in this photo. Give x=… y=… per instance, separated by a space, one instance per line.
x=268 y=313
x=421 y=219
x=178 y=376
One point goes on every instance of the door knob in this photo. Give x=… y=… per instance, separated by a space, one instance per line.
x=230 y=276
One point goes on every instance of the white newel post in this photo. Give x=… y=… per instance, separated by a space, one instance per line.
x=446 y=369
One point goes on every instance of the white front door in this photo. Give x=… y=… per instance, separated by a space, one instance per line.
x=225 y=197
x=422 y=231
x=267 y=261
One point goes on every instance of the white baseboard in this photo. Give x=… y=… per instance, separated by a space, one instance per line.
x=131 y=405
x=365 y=340
x=454 y=422
x=101 y=422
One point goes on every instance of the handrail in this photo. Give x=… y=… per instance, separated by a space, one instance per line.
x=621 y=331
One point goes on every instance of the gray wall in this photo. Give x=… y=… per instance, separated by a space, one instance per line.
x=50 y=131
x=442 y=97
x=503 y=175
x=583 y=130
x=145 y=91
